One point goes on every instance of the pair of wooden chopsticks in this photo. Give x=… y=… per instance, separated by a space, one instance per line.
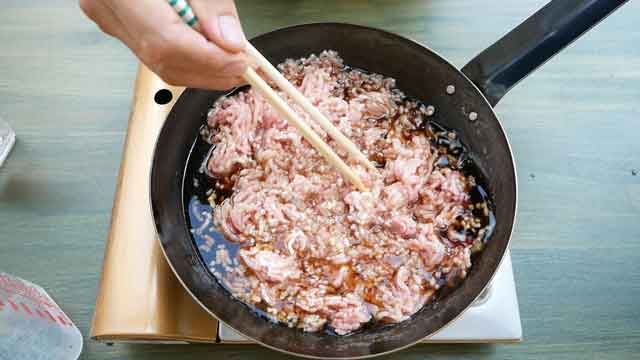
x=186 y=13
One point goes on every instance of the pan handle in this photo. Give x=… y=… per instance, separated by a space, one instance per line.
x=502 y=65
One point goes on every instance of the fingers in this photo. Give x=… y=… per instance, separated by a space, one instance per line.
x=220 y=24
x=104 y=17
x=144 y=16
x=171 y=49
x=184 y=57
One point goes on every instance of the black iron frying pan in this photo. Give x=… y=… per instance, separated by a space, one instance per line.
x=420 y=73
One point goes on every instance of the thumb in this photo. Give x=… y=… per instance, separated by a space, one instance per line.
x=220 y=24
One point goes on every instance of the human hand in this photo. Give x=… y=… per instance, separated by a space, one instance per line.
x=173 y=50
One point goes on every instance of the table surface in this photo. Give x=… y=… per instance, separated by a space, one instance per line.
x=573 y=125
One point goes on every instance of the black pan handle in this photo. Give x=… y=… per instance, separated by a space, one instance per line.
x=502 y=65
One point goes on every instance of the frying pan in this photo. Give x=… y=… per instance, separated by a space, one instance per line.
x=421 y=73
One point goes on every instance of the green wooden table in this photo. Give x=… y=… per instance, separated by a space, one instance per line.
x=574 y=127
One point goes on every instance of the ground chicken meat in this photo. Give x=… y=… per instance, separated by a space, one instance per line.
x=315 y=251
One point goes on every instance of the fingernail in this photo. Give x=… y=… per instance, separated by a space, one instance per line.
x=231 y=31
x=236 y=68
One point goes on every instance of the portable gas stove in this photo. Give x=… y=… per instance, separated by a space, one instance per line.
x=140 y=299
